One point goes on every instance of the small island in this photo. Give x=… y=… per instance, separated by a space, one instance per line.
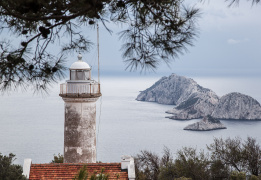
x=208 y=123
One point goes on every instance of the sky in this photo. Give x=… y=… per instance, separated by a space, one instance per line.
x=228 y=44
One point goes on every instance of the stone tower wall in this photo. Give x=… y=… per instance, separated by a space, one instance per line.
x=80 y=130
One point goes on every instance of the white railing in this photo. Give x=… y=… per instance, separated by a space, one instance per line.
x=80 y=88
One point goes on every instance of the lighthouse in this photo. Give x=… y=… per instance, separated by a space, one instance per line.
x=80 y=94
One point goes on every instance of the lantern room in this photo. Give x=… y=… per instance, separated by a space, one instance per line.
x=80 y=83
x=80 y=70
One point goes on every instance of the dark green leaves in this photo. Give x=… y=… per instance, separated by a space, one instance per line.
x=8 y=170
x=157 y=31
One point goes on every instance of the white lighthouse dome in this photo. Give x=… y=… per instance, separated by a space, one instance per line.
x=80 y=64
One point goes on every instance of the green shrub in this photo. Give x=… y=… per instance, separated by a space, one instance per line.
x=182 y=178
x=253 y=177
x=8 y=170
x=57 y=159
x=238 y=175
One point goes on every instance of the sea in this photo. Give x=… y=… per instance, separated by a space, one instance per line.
x=32 y=124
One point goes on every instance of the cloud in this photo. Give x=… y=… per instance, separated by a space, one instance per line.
x=236 y=41
x=233 y=41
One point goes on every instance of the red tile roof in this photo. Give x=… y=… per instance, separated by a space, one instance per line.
x=66 y=171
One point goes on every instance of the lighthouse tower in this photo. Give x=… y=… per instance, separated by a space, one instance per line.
x=80 y=94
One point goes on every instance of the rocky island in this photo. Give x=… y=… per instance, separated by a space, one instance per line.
x=208 y=123
x=192 y=101
x=237 y=106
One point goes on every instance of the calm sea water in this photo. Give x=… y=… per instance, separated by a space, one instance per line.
x=31 y=126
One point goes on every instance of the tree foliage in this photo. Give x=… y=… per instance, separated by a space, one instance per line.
x=227 y=159
x=191 y=164
x=252 y=155
x=238 y=175
x=239 y=156
x=57 y=159
x=8 y=170
x=229 y=152
x=152 y=31
x=236 y=2
x=100 y=176
x=187 y=165
x=150 y=166
x=83 y=175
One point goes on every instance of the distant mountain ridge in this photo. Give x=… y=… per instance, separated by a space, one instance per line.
x=193 y=101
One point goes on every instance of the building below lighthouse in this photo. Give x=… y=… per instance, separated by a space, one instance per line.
x=80 y=94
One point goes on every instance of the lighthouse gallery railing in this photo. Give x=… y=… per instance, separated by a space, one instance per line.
x=80 y=88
